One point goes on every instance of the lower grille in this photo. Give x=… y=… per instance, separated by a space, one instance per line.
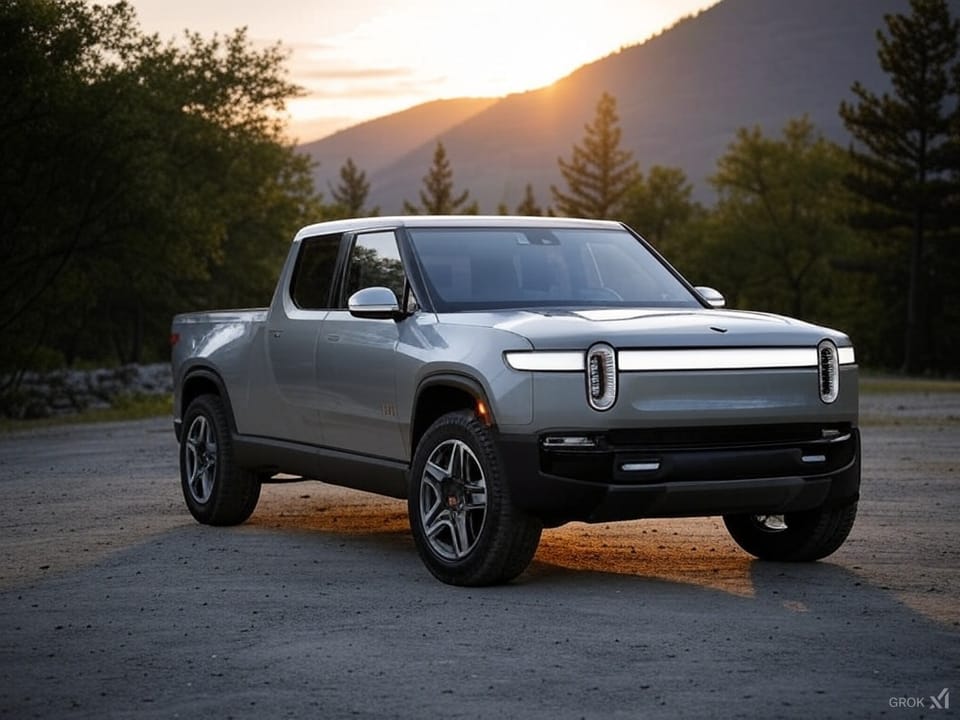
x=643 y=456
x=723 y=436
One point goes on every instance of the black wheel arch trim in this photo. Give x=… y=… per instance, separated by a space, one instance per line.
x=460 y=381
x=466 y=383
x=205 y=372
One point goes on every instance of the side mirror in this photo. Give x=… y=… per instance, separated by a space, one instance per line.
x=713 y=298
x=377 y=303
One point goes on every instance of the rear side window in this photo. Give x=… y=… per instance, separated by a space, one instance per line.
x=313 y=274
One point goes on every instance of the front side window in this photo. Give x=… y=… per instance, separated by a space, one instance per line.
x=493 y=268
x=375 y=261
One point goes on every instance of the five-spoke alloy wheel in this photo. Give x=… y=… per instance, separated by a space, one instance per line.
x=467 y=530
x=200 y=459
x=217 y=492
x=453 y=500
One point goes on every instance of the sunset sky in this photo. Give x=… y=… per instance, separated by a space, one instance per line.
x=365 y=58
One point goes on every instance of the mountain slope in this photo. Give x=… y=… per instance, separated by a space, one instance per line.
x=378 y=143
x=681 y=96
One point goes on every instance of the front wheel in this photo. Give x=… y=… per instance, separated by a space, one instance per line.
x=216 y=491
x=794 y=537
x=466 y=528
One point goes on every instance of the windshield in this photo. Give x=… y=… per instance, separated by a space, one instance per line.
x=496 y=268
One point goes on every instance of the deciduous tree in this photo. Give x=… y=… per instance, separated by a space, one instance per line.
x=139 y=178
x=659 y=205
x=778 y=223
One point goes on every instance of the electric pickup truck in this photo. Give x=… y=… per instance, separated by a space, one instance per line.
x=507 y=374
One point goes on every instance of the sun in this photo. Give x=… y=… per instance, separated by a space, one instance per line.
x=503 y=46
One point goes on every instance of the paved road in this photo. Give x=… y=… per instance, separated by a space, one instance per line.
x=115 y=604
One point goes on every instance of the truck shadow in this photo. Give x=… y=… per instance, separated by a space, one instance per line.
x=324 y=508
x=695 y=552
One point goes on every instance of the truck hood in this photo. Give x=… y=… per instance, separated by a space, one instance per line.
x=555 y=329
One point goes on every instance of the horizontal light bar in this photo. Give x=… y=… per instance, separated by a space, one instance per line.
x=718 y=359
x=680 y=359
x=551 y=361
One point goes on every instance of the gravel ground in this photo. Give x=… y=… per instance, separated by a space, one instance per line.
x=115 y=604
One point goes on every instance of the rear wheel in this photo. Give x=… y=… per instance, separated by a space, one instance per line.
x=797 y=537
x=217 y=492
x=467 y=530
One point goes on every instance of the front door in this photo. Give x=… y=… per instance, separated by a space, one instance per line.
x=356 y=358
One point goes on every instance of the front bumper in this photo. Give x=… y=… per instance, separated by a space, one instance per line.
x=683 y=472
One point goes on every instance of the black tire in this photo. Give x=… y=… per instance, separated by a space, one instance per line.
x=467 y=530
x=217 y=492
x=803 y=537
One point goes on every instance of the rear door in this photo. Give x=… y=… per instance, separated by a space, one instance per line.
x=293 y=333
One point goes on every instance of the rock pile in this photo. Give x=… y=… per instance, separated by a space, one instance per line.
x=62 y=392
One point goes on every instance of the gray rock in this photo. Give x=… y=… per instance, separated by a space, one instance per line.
x=62 y=392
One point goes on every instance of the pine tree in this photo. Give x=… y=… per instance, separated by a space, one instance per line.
x=600 y=172
x=437 y=196
x=350 y=195
x=528 y=206
x=901 y=156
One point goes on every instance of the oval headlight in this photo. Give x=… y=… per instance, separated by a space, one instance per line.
x=601 y=376
x=828 y=370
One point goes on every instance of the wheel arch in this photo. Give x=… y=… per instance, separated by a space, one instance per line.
x=440 y=394
x=203 y=380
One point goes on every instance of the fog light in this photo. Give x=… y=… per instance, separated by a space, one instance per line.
x=647 y=466
x=569 y=441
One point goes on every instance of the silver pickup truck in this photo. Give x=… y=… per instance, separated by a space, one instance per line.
x=506 y=374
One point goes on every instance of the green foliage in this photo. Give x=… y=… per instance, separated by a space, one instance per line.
x=370 y=269
x=660 y=206
x=599 y=172
x=140 y=178
x=778 y=225
x=125 y=408
x=438 y=196
x=350 y=196
x=906 y=175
